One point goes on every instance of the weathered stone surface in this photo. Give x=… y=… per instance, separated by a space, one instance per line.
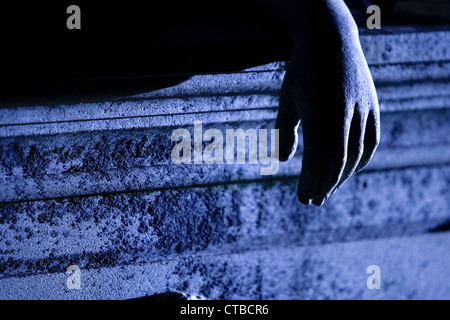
x=405 y=44
x=334 y=271
x=51 y=166
x=110 y=230
x=213 y=95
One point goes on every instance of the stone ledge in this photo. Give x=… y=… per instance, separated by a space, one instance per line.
x=406 y=45
x=335 y=271
x=110 y=230
x=252 y=93
x=99 y=162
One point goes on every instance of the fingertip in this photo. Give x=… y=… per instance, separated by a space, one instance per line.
x=319 y=201
x=286 y=155
x=308 y=182
x=304 y=199
x=283 y=157
x=304 y=196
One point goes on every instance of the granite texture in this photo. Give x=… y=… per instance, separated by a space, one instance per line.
x=334 y=271
x=93 y=232
x=406 y=45
x=52 y=166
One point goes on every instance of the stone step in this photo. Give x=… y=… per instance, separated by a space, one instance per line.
x=108 y=230
x=148 y=113
x=111 y=161
x=333 y=271
x=406 y=44
x=250 y=91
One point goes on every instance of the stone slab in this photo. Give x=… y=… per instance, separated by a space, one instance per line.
x=411 y=268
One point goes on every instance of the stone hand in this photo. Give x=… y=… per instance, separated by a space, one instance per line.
x=329 y=91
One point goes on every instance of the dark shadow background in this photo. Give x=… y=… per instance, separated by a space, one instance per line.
x=128 y=47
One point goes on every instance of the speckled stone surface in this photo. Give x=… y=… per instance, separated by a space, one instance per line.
x=406 y=44
x=93 y=232
x=52 y=166
x=334 y=271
